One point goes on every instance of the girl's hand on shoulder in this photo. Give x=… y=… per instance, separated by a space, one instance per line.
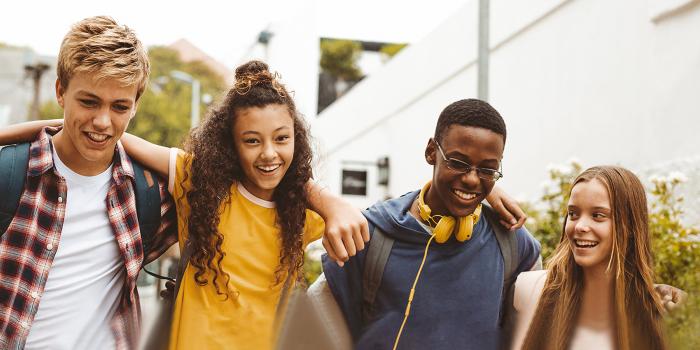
x=512 y=216
x=346 y=232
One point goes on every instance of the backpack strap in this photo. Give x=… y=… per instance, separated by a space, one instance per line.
x=14 y=160
x=182 y=265
x=147 y=204
x=508 y=243
x=375 y=261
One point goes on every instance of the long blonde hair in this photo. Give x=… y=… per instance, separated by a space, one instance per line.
x=637 y=314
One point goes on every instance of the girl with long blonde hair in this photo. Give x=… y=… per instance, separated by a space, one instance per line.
x=598 y=289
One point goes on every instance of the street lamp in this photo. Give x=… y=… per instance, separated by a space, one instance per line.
x=194 y=108
x=34 y=70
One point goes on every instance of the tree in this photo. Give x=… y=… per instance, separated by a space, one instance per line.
x=339 y=58
x=50 y=110
x=676 y=257
x=163 y=115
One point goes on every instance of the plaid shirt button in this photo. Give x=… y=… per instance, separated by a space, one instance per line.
x=25 y=324
x=35 y=295
x=49 y=246
x=60 y=199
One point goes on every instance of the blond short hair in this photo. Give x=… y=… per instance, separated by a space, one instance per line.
x=100 y=45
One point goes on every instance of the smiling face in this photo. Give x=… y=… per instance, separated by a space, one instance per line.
x=95 y=115
x=456 y=193
x=589 y=224
x=264 y=141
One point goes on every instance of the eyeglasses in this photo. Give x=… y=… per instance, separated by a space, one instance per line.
x=464 y=167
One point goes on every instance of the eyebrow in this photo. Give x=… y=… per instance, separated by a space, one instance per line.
x=465 y=158
x=258 y=133
x=91 y=95
x=594 y=208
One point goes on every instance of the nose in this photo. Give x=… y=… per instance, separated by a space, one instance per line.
x=471 y=178
x=102 y=120
x=582 y=225
x=268 y=152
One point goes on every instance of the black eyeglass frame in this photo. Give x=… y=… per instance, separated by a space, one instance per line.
x=464 y=167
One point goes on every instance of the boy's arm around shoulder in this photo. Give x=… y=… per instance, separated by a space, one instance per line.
x=25 y=132
x=152 y=156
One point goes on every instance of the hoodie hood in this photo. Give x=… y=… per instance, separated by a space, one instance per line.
x=395 y=220
x=393 y=216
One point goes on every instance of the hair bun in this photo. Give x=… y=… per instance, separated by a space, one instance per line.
x=251 y=68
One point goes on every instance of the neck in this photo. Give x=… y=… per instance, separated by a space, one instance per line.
x=74 y=160
x=597 y=276
x=596 y=303
x=415 y=212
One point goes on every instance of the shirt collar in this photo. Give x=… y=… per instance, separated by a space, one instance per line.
x=41 y=157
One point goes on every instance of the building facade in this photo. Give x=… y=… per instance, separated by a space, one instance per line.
x=604 y=82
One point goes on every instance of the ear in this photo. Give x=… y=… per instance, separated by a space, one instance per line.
x=430 y=152
x=133 y=110
x=59 y=93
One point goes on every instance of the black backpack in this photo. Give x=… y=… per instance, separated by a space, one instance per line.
x=14 y=160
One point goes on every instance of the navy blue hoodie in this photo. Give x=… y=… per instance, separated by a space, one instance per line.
x=458 y=297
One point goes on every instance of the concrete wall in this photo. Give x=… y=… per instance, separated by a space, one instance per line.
x=605 y=82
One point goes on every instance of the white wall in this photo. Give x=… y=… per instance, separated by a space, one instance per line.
x=594 y=79
x=294 y=52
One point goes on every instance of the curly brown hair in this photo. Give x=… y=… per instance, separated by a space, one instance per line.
x=216 y=166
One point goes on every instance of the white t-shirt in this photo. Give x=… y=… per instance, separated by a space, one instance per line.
x=528 y=290
x=87 y=275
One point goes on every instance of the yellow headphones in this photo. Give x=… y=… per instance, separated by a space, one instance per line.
x=445 y=225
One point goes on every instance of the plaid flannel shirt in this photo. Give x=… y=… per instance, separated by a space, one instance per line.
x=28 y=247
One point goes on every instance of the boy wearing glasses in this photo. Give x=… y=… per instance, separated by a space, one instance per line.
x=458 y=298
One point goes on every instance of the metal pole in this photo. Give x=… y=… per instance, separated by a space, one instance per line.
x=484 y=49
x=36 y=71
x=194 y=110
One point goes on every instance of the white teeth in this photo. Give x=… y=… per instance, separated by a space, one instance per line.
x=464 y=195
x=584 y=243
x=268 y=168
x=97 y=137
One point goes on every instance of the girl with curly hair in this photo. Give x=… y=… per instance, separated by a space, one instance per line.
x=242 y=200
x=598 y=290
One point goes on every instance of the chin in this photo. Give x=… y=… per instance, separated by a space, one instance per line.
x=587 y=262
x=93 y=156
x=462 y=211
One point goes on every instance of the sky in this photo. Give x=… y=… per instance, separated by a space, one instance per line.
x=222 y=29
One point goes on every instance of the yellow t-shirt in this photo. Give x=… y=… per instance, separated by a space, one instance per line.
x=202 y=318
